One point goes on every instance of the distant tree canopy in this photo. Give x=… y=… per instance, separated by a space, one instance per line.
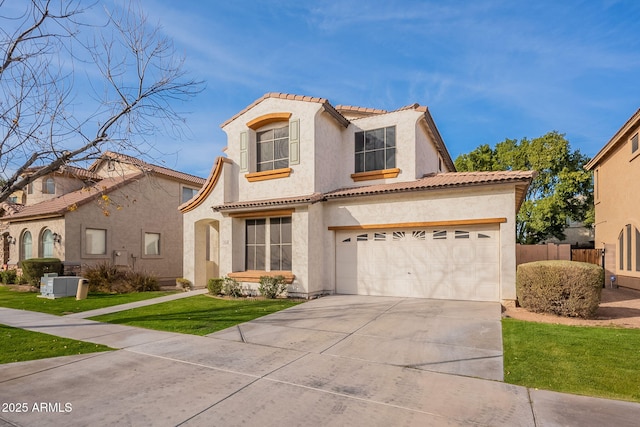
x=562 y=190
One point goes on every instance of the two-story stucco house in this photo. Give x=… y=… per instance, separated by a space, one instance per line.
x=120 y=210
x=616 y=174
x=351 y=200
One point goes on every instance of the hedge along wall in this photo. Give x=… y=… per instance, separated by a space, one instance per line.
x=565 y=288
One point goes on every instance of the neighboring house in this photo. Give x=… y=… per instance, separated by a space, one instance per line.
x=576 y=234
x=616 y=172
x=120 y=210
x=351 y=200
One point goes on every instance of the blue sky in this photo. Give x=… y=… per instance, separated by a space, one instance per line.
x=487 y=70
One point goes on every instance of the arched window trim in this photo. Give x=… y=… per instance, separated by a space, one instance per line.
x=26 y=245
x=628 y=260
x=46 y=243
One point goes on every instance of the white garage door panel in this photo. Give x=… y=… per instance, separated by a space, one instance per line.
x=451 y=263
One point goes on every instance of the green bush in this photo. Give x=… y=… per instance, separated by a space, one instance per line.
x=107 y=278
x=34 y=268
x=214 y=285
x=565 y=288
x=232 y=288
x=272 y=286
x=8 y=277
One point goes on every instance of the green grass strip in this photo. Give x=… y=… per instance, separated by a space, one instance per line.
x=591 y=361
x=19 y=345
x=197 y=315
x=30 y=301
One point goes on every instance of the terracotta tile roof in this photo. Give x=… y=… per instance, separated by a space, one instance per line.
x=60 y=205
x=327 y=106
x=365 y=111
x=441 y=180
x=70 y=170
x=148 y=167
x=429 y=182
x=626 y=128
x=311 y=198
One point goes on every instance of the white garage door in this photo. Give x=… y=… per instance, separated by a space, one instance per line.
x=446 y=263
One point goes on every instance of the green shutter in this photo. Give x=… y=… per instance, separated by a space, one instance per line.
x=244 y=152
x=294 y=142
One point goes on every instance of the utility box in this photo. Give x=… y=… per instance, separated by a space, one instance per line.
x=59 y=286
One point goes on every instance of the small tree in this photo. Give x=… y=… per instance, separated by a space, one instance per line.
x=49 y=53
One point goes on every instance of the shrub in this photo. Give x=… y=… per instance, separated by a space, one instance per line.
x=8 y=277
x=272 y=286
x=214 y=285
x=232 y=288
x=141 y=281
x=565 y=288
x=102 y=277
x=33 y=269
x=108 y=278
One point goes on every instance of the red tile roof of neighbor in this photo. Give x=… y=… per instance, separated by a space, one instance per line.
x=148 y=167
x=61 y=204
x=429 y=182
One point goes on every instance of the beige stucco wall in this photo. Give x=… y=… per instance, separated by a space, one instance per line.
x=477 y=203
x=63 y=184
x=147 y=205
x=616 y=205
x=326 y=163
x=36 y=228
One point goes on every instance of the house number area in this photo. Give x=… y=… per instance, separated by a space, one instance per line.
x=24 y=407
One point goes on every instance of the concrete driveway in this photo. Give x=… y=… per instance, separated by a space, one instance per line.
x=340 y=360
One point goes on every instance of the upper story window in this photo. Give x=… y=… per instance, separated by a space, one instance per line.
x=375 y=149
x=634 y=144
x=48 y=186
x=272 y=149
x=187 y=194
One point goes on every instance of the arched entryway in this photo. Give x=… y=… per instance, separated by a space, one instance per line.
x=207 y=251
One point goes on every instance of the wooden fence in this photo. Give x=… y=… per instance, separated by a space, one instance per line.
x=592 y=256
x=551 y=251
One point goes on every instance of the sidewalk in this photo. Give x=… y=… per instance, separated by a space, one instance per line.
x=163 y=378
x=144 y=303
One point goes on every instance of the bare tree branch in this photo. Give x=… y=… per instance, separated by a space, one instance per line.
x=45 y=62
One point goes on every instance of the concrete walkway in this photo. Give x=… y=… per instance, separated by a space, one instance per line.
x=129 y=306
x=337 y=360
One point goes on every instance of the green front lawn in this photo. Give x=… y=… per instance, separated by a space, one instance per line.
x=30 y=301
x=590 y=361
x=198 y=315
x=19 y=345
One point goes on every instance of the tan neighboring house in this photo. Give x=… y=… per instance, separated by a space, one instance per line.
x=120 y=210
x=616 y=173
x=351 y=200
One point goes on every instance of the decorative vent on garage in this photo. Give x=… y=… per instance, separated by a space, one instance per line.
x=362 y=237
x=439 y=234
x=420 y=235
x=398 y=235
x=459 y=234
x=380 y=236
x=347 y=240
x=483 y=236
